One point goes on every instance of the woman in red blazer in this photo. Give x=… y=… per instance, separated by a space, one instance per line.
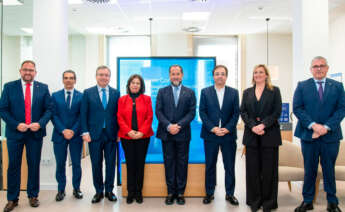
x=134 y=117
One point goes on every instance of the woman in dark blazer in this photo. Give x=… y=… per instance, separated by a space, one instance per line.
x=134 y=117
x=260 y=110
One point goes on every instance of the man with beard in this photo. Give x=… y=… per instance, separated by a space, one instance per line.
x=175 y=110
x=26 y=107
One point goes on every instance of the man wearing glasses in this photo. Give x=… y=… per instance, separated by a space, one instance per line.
x=26 y=107
x=319 y=105
x=99 y=129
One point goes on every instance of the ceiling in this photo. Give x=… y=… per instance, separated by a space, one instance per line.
x=132 y=16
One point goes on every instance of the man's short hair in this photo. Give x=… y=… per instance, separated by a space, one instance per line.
x=28 y=61
x=220 y=66
x=103 y=67
x=69 y=71
x=318 y=58
x=175 y=65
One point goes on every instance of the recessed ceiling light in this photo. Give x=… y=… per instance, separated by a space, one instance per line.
x=191 y=29
x=271 y=18
x=27 y=30
x=195 y=16
x=12 y=2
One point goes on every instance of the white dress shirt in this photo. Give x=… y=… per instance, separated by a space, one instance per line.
x=220 y=97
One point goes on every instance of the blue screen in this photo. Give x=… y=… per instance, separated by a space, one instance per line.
x=197 y=74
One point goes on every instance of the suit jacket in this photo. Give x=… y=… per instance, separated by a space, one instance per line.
x=65 y=117
x=143 y=106
x=308 y=108
x=182 y=115
x=12 y=108
x=211 y=113
x=270 y=112
x=93 y=114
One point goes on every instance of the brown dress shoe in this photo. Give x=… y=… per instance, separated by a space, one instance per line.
x=34 y=202
x=10 y=205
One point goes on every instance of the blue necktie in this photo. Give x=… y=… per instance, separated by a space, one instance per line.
x=104 y=98
x=104 y=102
x=175 y=95
x=68 y=101
x=320 y=90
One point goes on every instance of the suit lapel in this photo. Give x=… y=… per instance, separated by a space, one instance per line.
x=327 y=88
x=35 y=93
x=214 y=94
x=21 y=94
x=263 y=99
x=182 y=92
x=313 y=90
x=97 y=97
x=252 y=98
x=171 y=95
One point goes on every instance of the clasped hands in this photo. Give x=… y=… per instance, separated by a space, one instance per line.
x=259 y=129
x=220 y=131
x=135 y=134
x=174 y=129
x=318 y=130
x=22 y=127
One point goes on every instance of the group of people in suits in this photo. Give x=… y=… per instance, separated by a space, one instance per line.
x=101 y=118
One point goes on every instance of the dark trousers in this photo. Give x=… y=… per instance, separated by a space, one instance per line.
x=107 y=147
x=176 y=154
x=228 y=148
x=60 y=150
x=135 y=154
x=33 y=156
x=262 y=176
x=327 y=153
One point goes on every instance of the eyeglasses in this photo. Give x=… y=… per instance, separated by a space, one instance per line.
x=27 y=70
x=103 y=75
x=319 y=67
x=68 y=78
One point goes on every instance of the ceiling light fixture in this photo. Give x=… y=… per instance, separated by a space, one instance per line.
x=27 y=30
x=192 y=29
x=13 y=2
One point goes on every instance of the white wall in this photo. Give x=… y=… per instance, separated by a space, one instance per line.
x=172 y=45
x=280 y=54
x=77 y=59
x=337 y=46
x=11 y=58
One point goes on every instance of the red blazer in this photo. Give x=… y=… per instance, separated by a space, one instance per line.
x=144 y=115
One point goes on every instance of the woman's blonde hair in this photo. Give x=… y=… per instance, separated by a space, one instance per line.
x=268 y=79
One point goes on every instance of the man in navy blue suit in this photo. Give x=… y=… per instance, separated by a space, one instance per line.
x=175 y=110
x=66 y=121
x=219 y=112
x=26 y=107
x=99 y=128
x=319 y=105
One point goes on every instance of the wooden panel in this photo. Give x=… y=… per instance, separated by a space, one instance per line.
x=287 y=135
x=24 y=168
x=154 y=181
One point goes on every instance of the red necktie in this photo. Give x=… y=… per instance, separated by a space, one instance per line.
x=27 y=101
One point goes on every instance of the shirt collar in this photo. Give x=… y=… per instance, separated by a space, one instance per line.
x=322 y=80
x=178 y=87
x=24 y=83
x=100 y=88
x=72 y=90
x=221 y=90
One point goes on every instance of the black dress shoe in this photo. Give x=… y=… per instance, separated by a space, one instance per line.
x=139 y=198
x=169 y=200
x=180 y=199
x=111 y=196
x=231 y=199
x=333 y=207
x=60 y=196
x=77 y=194
x=10 y=205
x=130 y=199
x=97 y=197
x=208 y=199
x=33 y=201
x=304 y=207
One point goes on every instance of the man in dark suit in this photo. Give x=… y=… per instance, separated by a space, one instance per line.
x=66 y=121
x=219 y=112
x=319 y=105
x=175 y=109
x=26 y=108
x=99 y=128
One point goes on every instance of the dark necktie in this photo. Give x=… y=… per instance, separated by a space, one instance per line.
x=320 y=90
x=68 y=100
